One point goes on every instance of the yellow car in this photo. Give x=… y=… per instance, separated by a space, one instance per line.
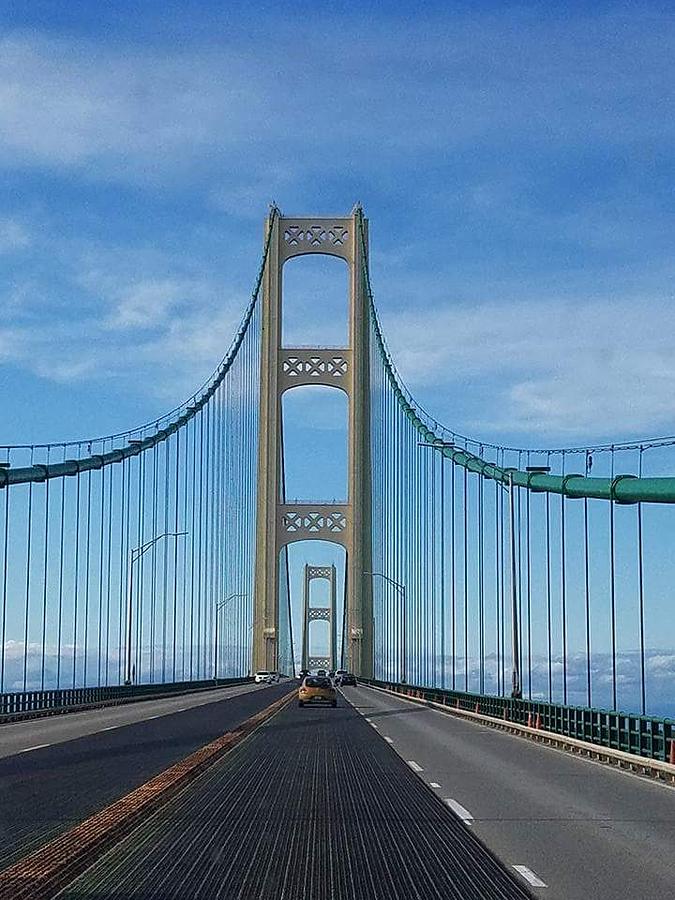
x=317 y=689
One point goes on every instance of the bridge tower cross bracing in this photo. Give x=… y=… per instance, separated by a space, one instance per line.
x=280 y=523
x=320 y=613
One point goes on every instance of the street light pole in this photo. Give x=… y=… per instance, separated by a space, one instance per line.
x=135 y=554
x=220 y=604
x=404 y=637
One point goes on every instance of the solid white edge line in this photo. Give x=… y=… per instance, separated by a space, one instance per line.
x=36 y=747
x=530 y=876
x=459 y=810
x=388 y=739
x=416 y=767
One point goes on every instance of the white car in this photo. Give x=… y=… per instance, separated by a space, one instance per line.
x=263 y=677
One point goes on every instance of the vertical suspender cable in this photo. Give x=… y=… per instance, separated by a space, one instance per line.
x=587 y=605
x=503 y=557
x=76 y=570
x=176 y=528
x=528 y=509
x=643 y=693
x=86 y=577
x=5 y=571
x=165 y=565
x=481 y=584
x=140 y=581
x=453 y=574
x=548 y=594
x=124 y=541
x=45 y=570
x=153 y=565
x=442 y=574
x=466 y=578
x=612 y=587
x=101 y=567
x=563 y=586
x=193 y=542
x=497 y=590
x=435 y=566
x=208 y=610
x=59 y=623
x=109 y=575
x=519 y=533
x=29 y=525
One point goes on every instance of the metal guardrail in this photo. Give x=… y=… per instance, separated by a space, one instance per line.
x=26 y=704
x=644 y=736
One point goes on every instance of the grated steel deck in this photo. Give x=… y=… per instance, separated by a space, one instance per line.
x=314 y=805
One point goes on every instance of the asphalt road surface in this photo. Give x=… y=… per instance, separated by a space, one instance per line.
x=21 y=737
x=95 y=757
x=588 y=831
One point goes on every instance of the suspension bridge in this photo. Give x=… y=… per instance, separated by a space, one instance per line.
x=504 y=610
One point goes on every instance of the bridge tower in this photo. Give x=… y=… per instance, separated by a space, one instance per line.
x=323 y=613
x=280 y=523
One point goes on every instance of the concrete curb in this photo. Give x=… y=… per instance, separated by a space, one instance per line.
x=641 y=765
x=42 y=874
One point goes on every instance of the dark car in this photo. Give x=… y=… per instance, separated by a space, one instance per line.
x=348 y=678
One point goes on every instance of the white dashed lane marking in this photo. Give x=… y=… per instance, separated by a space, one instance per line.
x=530 y=876
x=434 y=784
x=416 y=767
x=459 y=810
x=388 y=739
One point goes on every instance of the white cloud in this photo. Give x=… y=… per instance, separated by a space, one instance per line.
x=553 y=366
x=146 y=110
x=13 y=235
x=148 y=303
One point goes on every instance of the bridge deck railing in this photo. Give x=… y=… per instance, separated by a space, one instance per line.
x=644 y=736
x=26 y=704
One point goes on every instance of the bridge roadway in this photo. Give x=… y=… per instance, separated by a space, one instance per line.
x=313 y=805
x=56 y=771
x=317 y=804
x=585 y=829
x=331 y=803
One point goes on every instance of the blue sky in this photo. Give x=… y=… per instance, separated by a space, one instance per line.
x=515 y=161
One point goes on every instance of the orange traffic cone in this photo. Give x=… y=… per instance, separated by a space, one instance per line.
x=537 y=723
x=529 y=720
x=477 y=707
x=672 y=752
